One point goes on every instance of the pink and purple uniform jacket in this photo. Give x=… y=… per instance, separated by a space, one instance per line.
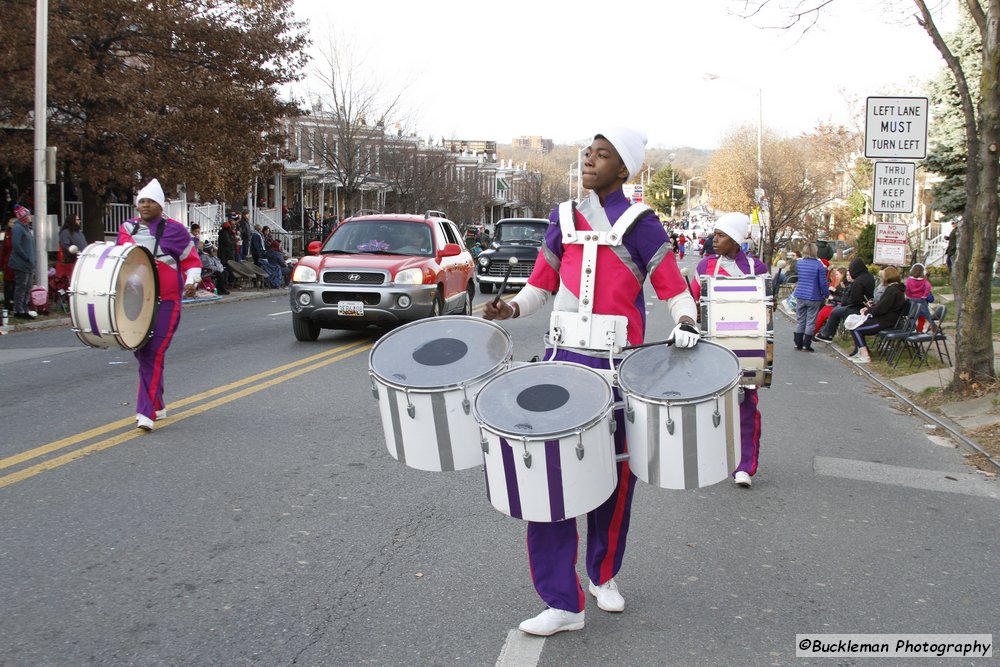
x=621 y=271
x=176 y=254
x=706 y=267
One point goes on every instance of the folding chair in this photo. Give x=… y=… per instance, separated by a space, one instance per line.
x=891 y=341
x=934 y=334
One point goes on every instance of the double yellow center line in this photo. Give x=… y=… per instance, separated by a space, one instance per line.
x=230 y=392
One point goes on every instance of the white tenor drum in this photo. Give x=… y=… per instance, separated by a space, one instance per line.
x=425 y=376
x=738 y=313
x=548 y=440
x=682 y=420
x=114 y=295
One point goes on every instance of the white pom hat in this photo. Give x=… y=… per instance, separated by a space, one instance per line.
x=153 y=191
x=734 y=225
x=630 y=144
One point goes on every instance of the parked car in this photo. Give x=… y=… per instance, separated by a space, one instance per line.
x=381 y=270
x=512 y=237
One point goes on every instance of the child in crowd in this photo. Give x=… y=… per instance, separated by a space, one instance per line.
x=919 y=288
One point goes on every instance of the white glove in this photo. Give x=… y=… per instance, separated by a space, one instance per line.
x=684 y=335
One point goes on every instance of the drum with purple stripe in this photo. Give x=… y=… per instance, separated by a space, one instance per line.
x=425 y=376
x=548 y=440
x=114 y=296
x=738 y=313
x=682 y=420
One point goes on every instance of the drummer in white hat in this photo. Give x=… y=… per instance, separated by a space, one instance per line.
x=731 y=231
x=615 y=155
x=179 y=269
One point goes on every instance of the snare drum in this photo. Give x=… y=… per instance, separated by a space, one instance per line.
x=425 y=375
x=738 y=313
x=682 y=420
x=114 y=295
x=548 y=439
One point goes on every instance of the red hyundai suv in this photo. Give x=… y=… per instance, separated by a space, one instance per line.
x=382 y=270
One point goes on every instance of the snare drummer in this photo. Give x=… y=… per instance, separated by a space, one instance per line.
x=179 y=270
x=730 y=231
x=613 y=157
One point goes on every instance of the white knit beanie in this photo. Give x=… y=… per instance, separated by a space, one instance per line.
x=734 y=225
x=630 y=144
x=152 y=191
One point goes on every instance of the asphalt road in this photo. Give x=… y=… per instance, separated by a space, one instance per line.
x=264 y=521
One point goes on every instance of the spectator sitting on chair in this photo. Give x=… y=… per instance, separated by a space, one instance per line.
x=213 y=275
x=258 y=250
x=275 y=255
x=838 y=292
x=882 y=315
x=858 y=294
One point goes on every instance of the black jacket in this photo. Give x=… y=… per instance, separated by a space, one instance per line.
x=862 y=286
x=892 y=304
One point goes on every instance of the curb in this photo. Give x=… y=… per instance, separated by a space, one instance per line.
x=52 y=323
x=900 y=393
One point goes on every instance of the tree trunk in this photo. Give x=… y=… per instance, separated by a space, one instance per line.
x=977 y=240
x=94 y=204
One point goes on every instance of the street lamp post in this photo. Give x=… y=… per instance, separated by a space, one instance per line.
x=687 y=189
x=41 y=190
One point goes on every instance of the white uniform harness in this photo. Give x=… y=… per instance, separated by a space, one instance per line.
x=584 y=329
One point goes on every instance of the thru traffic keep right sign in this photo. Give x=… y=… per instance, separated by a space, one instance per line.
x=892 y=189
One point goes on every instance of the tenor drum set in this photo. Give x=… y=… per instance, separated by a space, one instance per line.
x=451 y=398
x=114 y=295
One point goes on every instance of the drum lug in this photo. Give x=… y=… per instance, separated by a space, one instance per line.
x=716 y=416
x=580 y=451
x=629 y=411
x=466 y=405
x=371 y=378
x=670 y=422
x=485 y=444
x=527 y=454
x=410 y=409
x=612 y=424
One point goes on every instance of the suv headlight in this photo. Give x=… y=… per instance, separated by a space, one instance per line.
x=303 y=274
x=410 y=277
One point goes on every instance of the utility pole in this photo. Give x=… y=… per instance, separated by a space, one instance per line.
x=41 y=188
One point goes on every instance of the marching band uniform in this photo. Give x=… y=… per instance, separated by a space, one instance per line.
x=178 y=266
x=736 y=225
x=645 y=251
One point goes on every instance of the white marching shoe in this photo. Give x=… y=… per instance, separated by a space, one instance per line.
x=161 y=414
x=144 y=422
x=742 y=479
x=552 y=621
x=608 y=597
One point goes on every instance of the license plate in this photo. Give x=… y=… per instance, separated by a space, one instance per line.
x=351 y=308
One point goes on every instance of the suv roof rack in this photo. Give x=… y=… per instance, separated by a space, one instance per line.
x=367 y=211
x=437 y=214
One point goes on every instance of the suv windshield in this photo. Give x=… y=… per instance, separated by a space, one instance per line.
x=381 y=237
x=532 y=233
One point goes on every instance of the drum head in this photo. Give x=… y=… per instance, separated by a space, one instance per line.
x=135 y=296
x=441 y=352
x=542 y=400
x=665 y=373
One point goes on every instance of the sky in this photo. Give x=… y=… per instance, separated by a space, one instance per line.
x=683 y=71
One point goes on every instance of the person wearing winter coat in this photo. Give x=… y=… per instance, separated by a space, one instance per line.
x=810 y=292
x=858 y=295
x=883 y=314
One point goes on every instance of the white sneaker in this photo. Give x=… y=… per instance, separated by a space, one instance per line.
x=608 y=597
x=144 y=422
x=858 y=359
x=161 y=414
x=742 y=479
x=552 y=621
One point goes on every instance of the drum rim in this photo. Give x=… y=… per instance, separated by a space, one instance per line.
x=687 y=400
x=434 y=389
x=551 y=435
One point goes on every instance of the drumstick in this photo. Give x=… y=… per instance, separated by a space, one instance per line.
x=503 y=285
x=655 y=342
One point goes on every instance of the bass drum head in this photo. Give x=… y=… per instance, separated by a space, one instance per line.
x=668 y=373
x=441 y=352
x=135 y=288
x=542 y=400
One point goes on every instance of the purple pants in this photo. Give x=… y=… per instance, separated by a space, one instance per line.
x=552 y=547
x=749 y=432
x=151 y=357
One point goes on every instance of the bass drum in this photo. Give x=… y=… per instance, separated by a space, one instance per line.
x=114 y=296
x=682 y=420
x=425 y=375
x=548 y=439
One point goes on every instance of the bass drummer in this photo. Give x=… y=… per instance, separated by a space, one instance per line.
x=614 y=156
x=179 y=269
x=730 y=231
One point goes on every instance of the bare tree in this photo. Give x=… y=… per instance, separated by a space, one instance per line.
x=416 y=175
x=976 y=253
